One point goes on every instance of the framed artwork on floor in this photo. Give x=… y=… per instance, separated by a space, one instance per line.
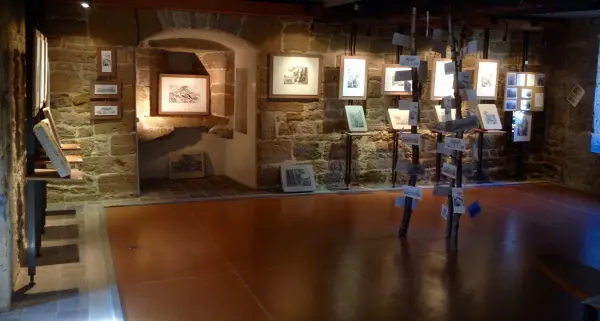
x=297 y=178
x=355 y=115
x=106 y=62
x=442 y=84
x=393 y=85
x=183 y=95
x=353 y=78
x=399 y=119
x=186 y=165
x=489 y=117
x=487 y=79
x=106 y=89
x=295 y=76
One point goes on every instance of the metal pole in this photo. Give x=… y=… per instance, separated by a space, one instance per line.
x=480 y=138
x=519 y=159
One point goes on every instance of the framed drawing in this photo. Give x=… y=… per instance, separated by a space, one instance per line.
x=511 y=79
x=489 y=117
x=393 y=85
x=186 y=165
x=487 y=79
x=298 y=178
x=443 y=85
x=295 y=76
x=399 y=119
x=441 y=114
x=106 y=62
x=510 y=105
x=183 y=95
x=353 y=78
x=106 y=89
x=51 y=146
x=105 y=109
x=355 y=115
x=521 y=126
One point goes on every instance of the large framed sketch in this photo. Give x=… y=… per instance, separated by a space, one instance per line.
x=297 y=178
x=186 y=165
x=355 y=115
x=295 y=76
x=486 y=79
x=442 y=84
x=392 y=84
x=353 y=78
x=183 y=95
x=106 y=62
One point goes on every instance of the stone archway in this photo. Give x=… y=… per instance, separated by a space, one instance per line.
x=242 y=120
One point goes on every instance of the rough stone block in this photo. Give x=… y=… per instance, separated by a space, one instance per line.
x=106 y=32
x=275 y=152
x=283 y=106
x=117 y=183
x=58 y=100
x=65 y=66
x=383 y=45
x=109 y=164
x=126 y=74
x=62 y=81
x=319 y=44
x=128 y=98
x=295 y=37
x=264 y=32
x=71 y=56
x=122 y=145
x=123 y=126
x=269 y=177
x=304 y=151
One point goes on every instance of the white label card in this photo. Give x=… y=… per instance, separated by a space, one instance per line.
x=413 y=115
x=106 y=110
x=411 y=139
x=413 y=192
x=449 y=170
x=449 y=68
x=401 y=40
x=458 y=200
x=456 y=144
x=470 y=47
x=444 y=212
x=539 y=100
x=410 y=61
x=404 y=104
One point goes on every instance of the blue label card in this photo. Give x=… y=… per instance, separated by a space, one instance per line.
x=413 y=192
x=399 y=201
x=474 y=209
x=444 y=212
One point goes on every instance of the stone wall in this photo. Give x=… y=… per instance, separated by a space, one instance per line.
x=564 y=152
x=290 y=131
x=12 y=144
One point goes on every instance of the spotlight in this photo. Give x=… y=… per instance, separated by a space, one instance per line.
x=86 y=4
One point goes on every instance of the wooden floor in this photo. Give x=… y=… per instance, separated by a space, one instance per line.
x=337 y=257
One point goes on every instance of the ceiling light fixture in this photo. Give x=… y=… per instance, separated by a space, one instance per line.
x=86 y=4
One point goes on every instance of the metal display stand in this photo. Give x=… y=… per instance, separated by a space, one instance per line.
x=348 y=174
x=395 y=146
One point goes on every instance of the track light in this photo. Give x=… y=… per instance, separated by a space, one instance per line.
x=86 y=4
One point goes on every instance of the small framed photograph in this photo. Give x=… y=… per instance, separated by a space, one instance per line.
x=399 y=119
x=106 y=62
x=183 y=166
x=295 y=76
x=521 y=79
x=353 y=78
x=297 y=178
x=511 y=93
x=540 y=80
x=183 y=95
x=393 y=83
x=106 y=89
x=355 y=115
x=510 y=105
x=487 y=79
x=105 y=110
x=526 y=93
x=530 y=80
x=489 y=117
x=511 y=79
x=525 y=104
x=442 y=84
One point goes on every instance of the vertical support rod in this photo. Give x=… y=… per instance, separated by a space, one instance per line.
x=486 y=53
x=32 y=235
x=348 y=160
x=438 y=159
x=394 y=157
x=519 y=157
x=414 y=129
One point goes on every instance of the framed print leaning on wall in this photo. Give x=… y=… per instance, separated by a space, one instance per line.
x=295 y=76
x=487 y=79
x=183 y=95
x=393 y=85
x=353 y=78
x=298 y=178
x=442 y=84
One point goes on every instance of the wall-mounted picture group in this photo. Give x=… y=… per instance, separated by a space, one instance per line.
x=524 y=91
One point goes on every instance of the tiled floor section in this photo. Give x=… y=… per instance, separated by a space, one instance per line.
x=337 y=257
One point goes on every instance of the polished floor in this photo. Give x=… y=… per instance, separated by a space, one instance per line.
x=337 y=257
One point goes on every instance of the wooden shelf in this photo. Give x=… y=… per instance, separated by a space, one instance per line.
x=358 y=133
x=72 y=159
x=51 y=175
x=491 y=132
x=70 y=146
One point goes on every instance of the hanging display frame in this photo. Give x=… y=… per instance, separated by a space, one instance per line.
x=482 y=78
x=353 y=85
x=440 y=79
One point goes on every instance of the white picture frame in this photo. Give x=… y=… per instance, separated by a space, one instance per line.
x=521 y=126
x=353 y=78
x=106 y=89
x=442 y=85
x=391 y=87
x=295 y=76
x=510 y=105
x=486 y=85
x=355 y=117
x=186 y=165
x=399 y=119
x=511 y=79
x=297 y=178
x=489 y=117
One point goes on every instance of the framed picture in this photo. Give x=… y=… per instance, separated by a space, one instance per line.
x=355 y=115
x=393 y=86
x=105 y=109
x=521 y=126
x=511 y=93
x=183 y=95
x=106 y=62
x=186 y=165
x=521 y=79
x=526 y=93
x=511 y=79
x=399 y=119
x=510 y=105
x=48 y=115
x=295 y=76
x=353 y=78
x=489 y=117
x=443 y=85
x=525 y=104
x=297 y=178
x=540 y=80
x=487 y=79
x=530 y=80
x=441 y=114
x=106 y=89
